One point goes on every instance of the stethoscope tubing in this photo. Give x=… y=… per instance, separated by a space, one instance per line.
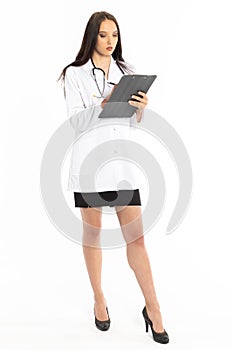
x=94 y=75
x=97 y=85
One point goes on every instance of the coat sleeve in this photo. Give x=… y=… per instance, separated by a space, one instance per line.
x=81 y=116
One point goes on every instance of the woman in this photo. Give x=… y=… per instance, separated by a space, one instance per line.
x=101 y=53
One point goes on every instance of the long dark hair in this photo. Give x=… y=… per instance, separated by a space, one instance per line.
x=89 y=42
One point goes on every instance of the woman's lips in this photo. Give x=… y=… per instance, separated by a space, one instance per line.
x=109 y=48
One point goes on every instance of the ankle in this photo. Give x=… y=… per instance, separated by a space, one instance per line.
x=152 y=306
x=99 y=298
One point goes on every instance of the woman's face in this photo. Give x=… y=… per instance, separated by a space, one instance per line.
x=107 y=38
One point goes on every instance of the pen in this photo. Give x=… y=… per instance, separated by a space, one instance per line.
x=109 y=82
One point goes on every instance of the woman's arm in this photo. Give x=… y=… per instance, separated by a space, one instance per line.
x=81 y=116
x=139 y=114
x=74 y=101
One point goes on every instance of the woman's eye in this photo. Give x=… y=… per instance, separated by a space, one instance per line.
x=104 y=36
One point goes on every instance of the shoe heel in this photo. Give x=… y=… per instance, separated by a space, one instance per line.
x=147 y=326
x=162 y=337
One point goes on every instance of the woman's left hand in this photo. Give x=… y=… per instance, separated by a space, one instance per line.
x=141 y=102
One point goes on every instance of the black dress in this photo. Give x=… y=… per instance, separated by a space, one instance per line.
x=99 y=199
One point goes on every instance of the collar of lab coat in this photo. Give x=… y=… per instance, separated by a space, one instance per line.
x=113 y=69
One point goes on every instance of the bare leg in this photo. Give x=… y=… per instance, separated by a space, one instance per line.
x=93 y=257
x=132 y=229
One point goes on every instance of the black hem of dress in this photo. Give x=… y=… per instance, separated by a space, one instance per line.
x=99 y=199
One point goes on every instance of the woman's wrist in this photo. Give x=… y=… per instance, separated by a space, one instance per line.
x=103 y=103
x=139 y=114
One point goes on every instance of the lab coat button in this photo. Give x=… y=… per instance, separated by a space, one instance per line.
x=114 y=129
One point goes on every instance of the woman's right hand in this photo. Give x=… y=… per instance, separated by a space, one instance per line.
x=108 y=97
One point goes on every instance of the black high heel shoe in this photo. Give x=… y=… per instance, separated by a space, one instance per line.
x=103 y=325
x=161 y=337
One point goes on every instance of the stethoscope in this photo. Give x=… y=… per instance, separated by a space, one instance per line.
x=97 y=85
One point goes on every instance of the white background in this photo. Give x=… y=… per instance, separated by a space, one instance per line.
x=46 y=300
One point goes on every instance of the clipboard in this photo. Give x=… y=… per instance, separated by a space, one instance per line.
x=118 y=106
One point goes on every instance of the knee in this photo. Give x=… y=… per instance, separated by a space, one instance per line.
x=135 y=237
x=91 y=234
x=138 y=241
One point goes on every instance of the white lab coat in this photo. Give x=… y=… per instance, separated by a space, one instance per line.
x=83 y=108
